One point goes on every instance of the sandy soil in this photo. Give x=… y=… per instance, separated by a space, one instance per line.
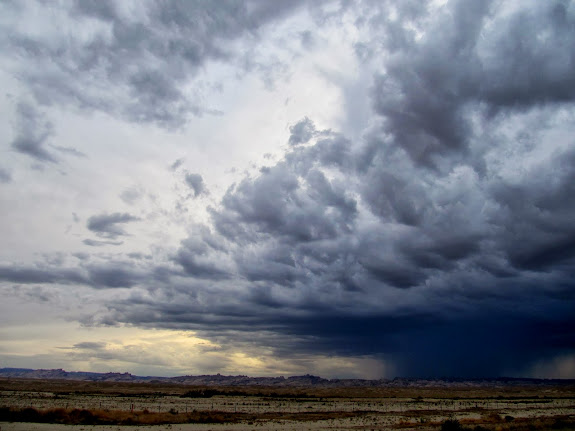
x=370 y=413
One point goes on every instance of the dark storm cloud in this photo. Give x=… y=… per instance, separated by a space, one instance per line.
x=203 y=256
x=113 y=275
x=198 y=267
x=196 y=183
x=291 y=200
x=534 y=60
x=537 y=213
x=475 y=56
x=441 y=241
x=107 y=225
x=32 y=133
x=134 y=64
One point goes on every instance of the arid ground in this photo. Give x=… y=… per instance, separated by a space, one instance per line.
x=49 y=405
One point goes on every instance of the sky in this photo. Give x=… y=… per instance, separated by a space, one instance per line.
x=351 y=189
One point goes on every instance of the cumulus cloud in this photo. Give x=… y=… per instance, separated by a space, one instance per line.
x=113 y=275
x=122 y=66
x=196 y=183
x=301 y=132
x=474 y=57
x=108 y=225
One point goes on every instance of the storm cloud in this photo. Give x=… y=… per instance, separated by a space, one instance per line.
x=427 y=224
x=122 y=66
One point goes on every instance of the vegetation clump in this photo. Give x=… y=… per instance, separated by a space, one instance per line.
x=145 y=417
x=111 y=417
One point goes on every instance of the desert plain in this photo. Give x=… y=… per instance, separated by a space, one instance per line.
x=54 y=405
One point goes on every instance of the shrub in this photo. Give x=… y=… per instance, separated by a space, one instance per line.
x=492 y=417
x=83 y=417
x=29 y=415
x=451 y=425
x=6 y=414
x=559 y=424
x=54 y=416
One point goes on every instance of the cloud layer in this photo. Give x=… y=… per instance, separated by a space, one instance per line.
x=439 y=241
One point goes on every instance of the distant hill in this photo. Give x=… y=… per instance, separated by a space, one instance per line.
x=294 y=381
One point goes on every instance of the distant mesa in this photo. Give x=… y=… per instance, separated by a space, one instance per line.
x=293 y=381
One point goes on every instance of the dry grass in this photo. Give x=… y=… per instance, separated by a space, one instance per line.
x=494 y=422
x=122 y=403
x=120 y=417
